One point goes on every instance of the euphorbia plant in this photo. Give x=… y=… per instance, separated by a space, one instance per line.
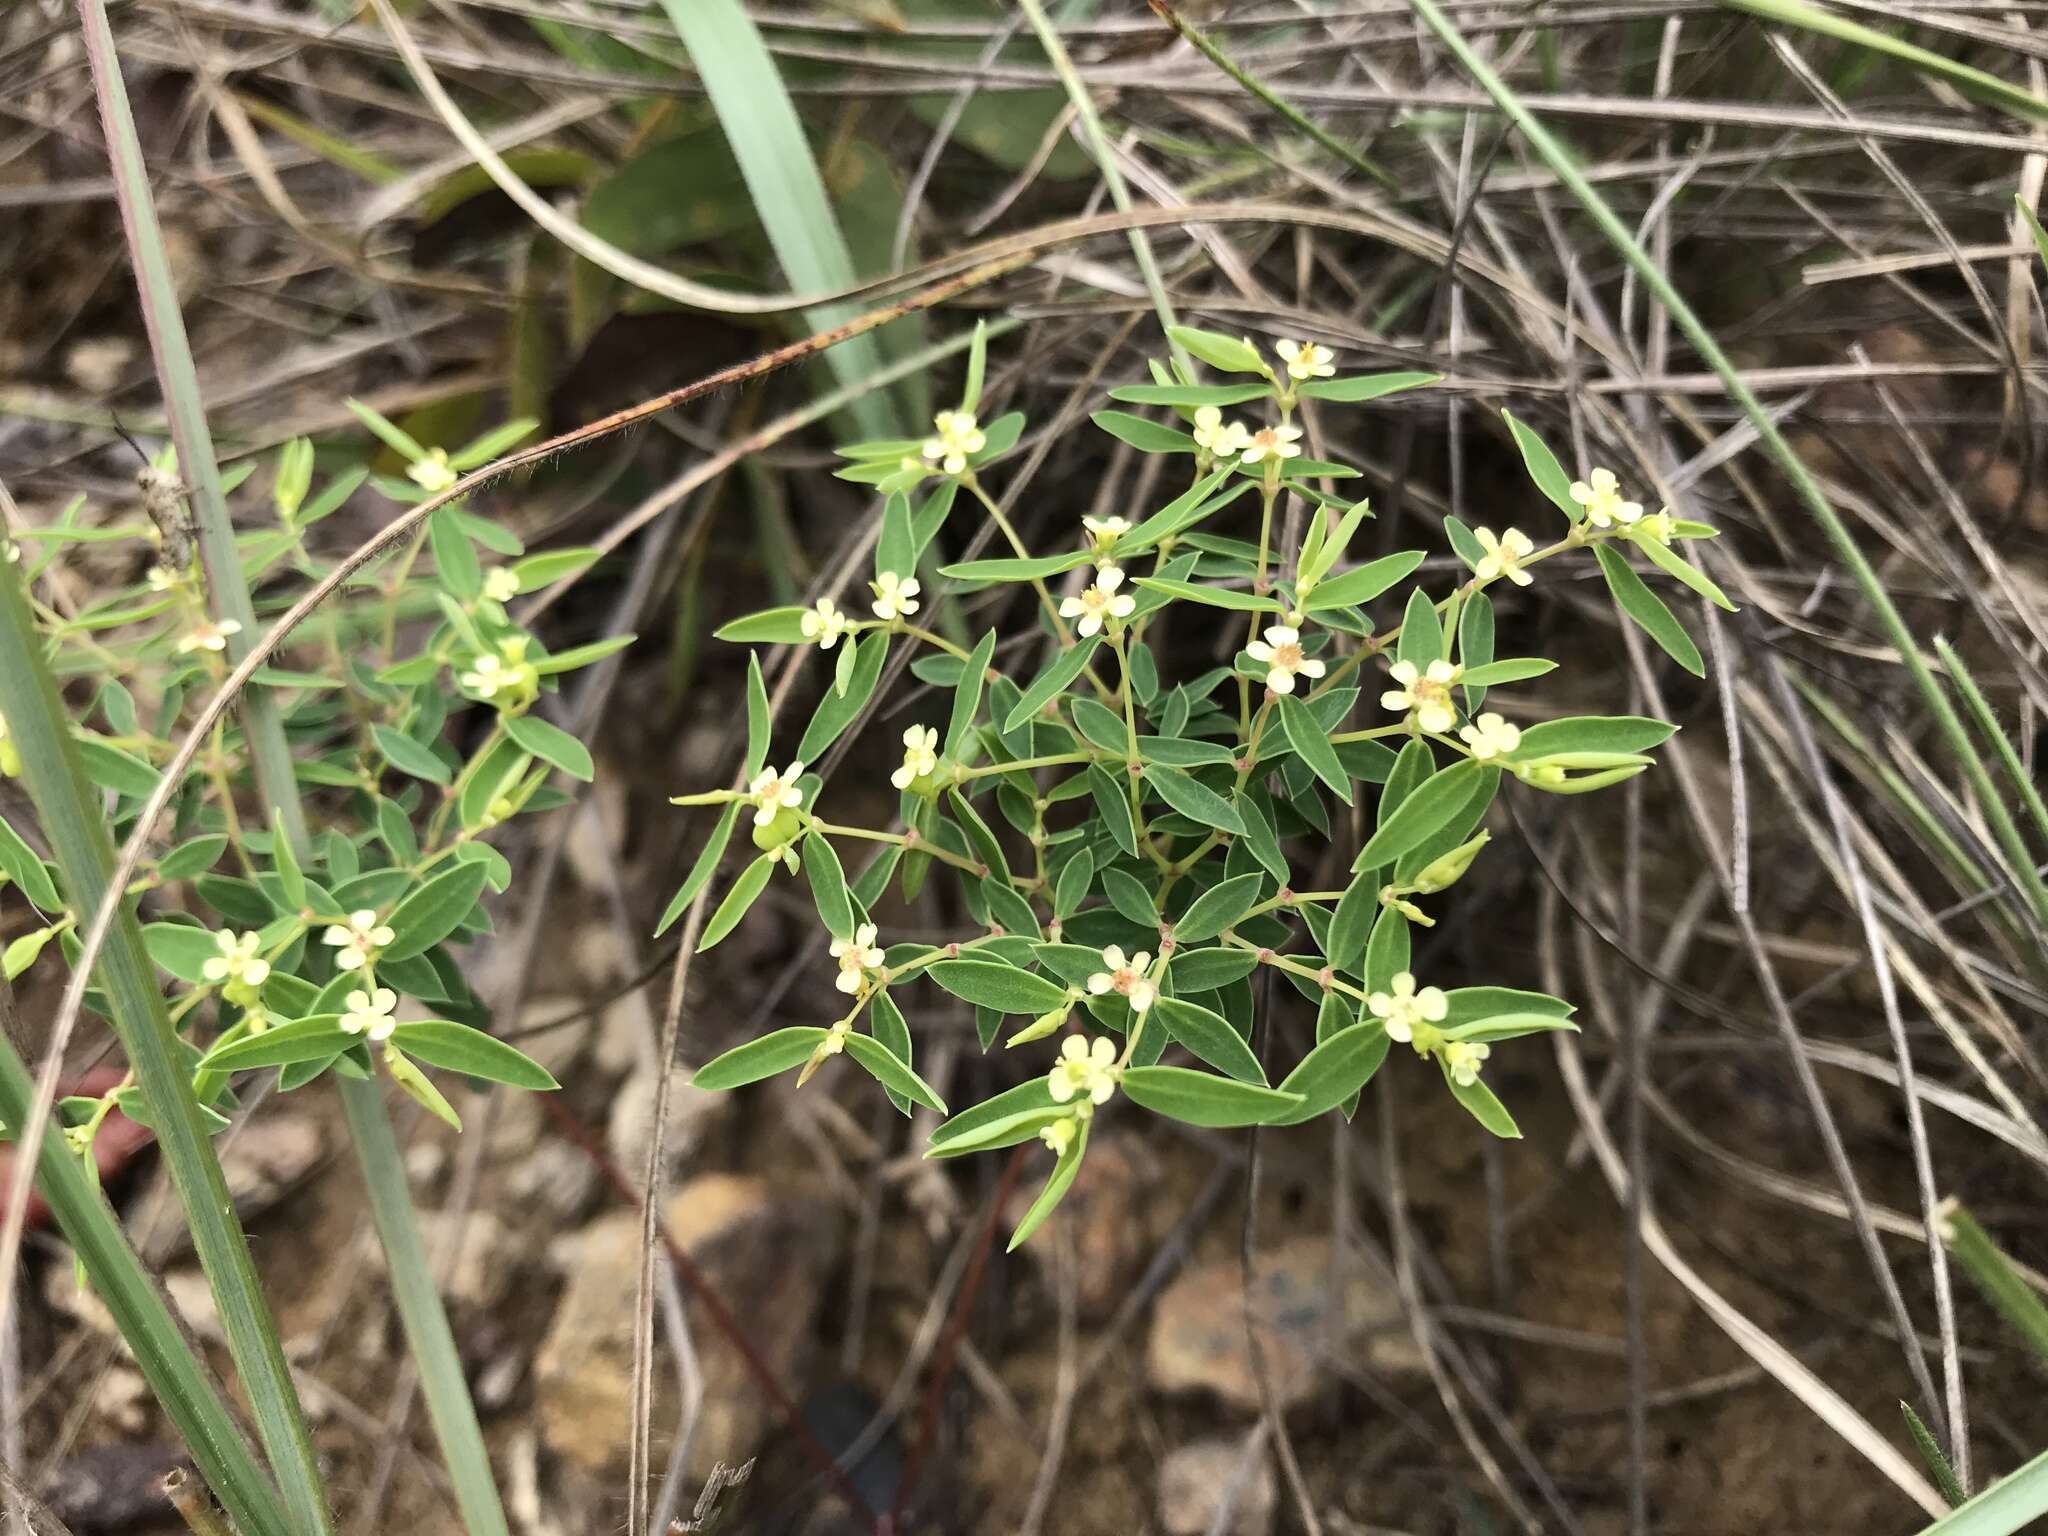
x=1157 y=814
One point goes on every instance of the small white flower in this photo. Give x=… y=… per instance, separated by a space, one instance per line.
x=856 y=956
x=369 y=1013
x=504 y=671
x=1276 y=443
x=1600 y=494
x=209 y=635
x=237 y=960
x=1504 y=555
x=1491 y=736
x=1465 y=1058
x=920 y=755
x=1223 y=439
x=163 y=579
x=10 y=551
x=433 y=473
x=1060 y=1134
x=823 y=624
x=894 y=595
x=501 y=585
x=1084 y=1071
x=1405 y=1007
x=1281 y=652
x=773 y=792
x=1306 y=360
x=1125 y=977
x=1106 y=530
x=1099 y=602
x=835 y=1039
x=358 y=940
x=1427 y=693
x=956 y=436
x=486 y=675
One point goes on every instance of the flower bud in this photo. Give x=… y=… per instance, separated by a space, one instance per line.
x=1038 y=1028
x=778 y=832
x=1445 y=872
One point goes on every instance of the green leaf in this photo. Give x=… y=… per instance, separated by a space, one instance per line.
x=21 y=865
x=758 y=718
x=458 y=1048
x=887 y=1024
x=1312 y=746
x=1210 y=1036
x=290 y=878
x=1514 y=669
x=1145 y=436
x=1194 y=799
x=1387 y=950
x=1335 y=1070
x=771 y=1054
x=1673 y=564
x=111 y=768
x=181 y=948
x=1510 y=1026
x=1422 y=631
x=1214 y=597
x=895 y=549
x=1229 y=353
x=995 y=984
x=1204 y=970
x=1052 y=682
x=1592 y=733
x=1190 y=396
x=752 y=881
x=1076 y=879
x=701 y=871
x=967 y=696
x=828 y=886
x=984 y=1124
x=1353 y=921
x=454 y=556
x=552 y=744
x=1544 y=470
x=544 y=570
x=309 y=1039
x=1130 y=897
x=1113 y=805
x=1480 y=1103
x=1369 y=386
x=1036 y=568
x=885 y=1067
x=1428 y=810
x=434 y=911
x=771 y=626
x=581 y=655
x=835 y=711
x=1199 y=1098
x=1055 y=1190
x=1648 y=610
x=1213 y=911
x=408 y=756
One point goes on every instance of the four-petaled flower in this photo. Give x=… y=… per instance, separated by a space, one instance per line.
x=856 y=956
x=1274 y=443
x=1404 y=1008
x=823 y=624
x=1099 y=602
x=1106 y=530
x=1060 y=1134
x=1504 y=555
x=1491 y=736
x=209 y=635
x=358 y=940
x=774 y=792
x=369 y=1013
x=162 y=578
x=1281 y=652
x=1223 y=439
x=894 y=595
x=1306 y=360
x=237 y=960
x=504 y=672
x=1425 y=691
x=1465 y=1058
x=1125 y=977
x=955 y=437
x=501 y=585
x=1084 y=1071
x=920 y=755
x=835 y=1039
x=1600 y=494
x=433 y=474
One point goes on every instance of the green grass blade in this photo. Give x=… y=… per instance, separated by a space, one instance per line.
x=1974 y=83
x=180 y=1381
x=1994 y=1274
x=76 y=827
x=1930 y=1452
x=1988 y=726
x=767 y=139
x=2008 y=1505
x=2034 y=891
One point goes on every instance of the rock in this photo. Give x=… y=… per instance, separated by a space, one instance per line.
x=193 y=1297
x=692 y=1112
x=1223 y=1485
x=1199 y=1343
x=558 y=1048
x=116 y=1487
x=558 y=1178
x=1106 y=1217
x=121 y=1398
x=264 y=1159
x=764 y=1250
